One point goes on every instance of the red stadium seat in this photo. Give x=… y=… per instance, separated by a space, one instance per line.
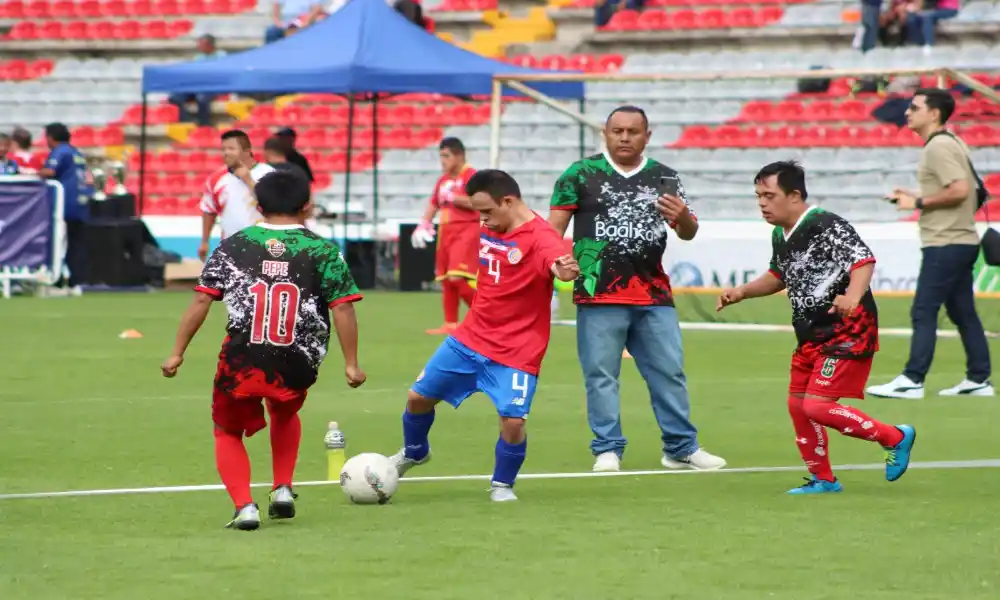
x=139 y=8
x=77 y=30
x=12 y=9
x=554 y=62
x=317 y=114
x=193 y=7
x=221 y=7
x=103 y=30
x=757 y=111
x=712 y=18
x=63 y=9
x=623 y=20
x=179 y=28
x=108 y=136
x=741 y=17
x=51 y=30
x=264 y=114
x=88 y=9
x=852 y=110
x=23 y=30
x=83 y=137
x=156 y=30
x=524 y=60
x=167 y=8
x=37 y=9
x=768 y=15
x=127 y=30
x=315 y=137
x=203 y=137
x=653 y=20
x=293 y=115
x=685 y=19
x=116 y=9
x=400 y=115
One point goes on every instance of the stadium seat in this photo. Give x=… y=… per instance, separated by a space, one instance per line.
x=623 y=20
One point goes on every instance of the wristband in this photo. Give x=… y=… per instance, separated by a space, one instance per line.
x=919 y=203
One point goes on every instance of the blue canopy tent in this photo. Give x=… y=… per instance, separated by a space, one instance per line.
x=364 y=49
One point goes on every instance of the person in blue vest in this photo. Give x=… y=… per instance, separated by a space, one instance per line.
x=67 y=165
x=7 y=164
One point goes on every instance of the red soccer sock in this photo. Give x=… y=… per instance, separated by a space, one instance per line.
x=812 y=441
x=286 y=433
x=234 y=466
x=466 y=292
x=851 y=422
x=450 y=301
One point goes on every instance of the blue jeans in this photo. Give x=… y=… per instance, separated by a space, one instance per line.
x=604 y=12
x=203 y=116
x=946 y=278
x=922 y=25
x=273 y=33
x=652 y=335
x=869 y=22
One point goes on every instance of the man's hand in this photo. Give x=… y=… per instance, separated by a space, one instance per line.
x=905 y=200
x=845 y=305
x=203 y=251
x=566 y=268
x=671 y=207
x=729 y=296
x=355 y=376
x=170 y=366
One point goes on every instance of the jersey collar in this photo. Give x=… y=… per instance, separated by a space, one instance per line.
x=625 y=174
x=797 y=223
x=274 y=227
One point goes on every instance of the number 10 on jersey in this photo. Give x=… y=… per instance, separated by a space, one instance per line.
x=275 y=312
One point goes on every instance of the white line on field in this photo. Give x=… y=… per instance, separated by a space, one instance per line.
x=989 y=463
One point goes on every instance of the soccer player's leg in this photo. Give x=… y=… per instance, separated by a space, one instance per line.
x=449 y=376
x=286 y=435
x=836 y=378
x=810 y=437
x=511 y=391
x=449 y=292
x=654 y=339
x=235 y=415
x=601 y=332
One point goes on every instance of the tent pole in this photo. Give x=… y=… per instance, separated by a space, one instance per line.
x=375 y=167
x=347 y=173
x=496 y=105
x=142 y=154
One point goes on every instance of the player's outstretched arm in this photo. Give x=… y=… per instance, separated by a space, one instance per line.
x=191 y=322
x=565 y=268
x=765 y=285
x=345 y=320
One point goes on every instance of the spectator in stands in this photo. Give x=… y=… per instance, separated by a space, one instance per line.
x=8 y=166
x=605 y=9
x=294 y=15
x=28 y=162
x=68 y=165
x=288 y=136
x=276 y=155
x=923 y=25
x=206 y=49
x=413 y=12
x=947 y=202
x=895 y=23
x=871 y=11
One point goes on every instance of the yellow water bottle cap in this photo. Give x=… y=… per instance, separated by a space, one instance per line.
x=333 y=425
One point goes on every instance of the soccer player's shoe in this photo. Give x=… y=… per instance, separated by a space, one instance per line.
x=699 y=461
x=817 y=486
x=246 y=518
x=901 y=387
x=501 y=492
x=446 y=329
x=897 y=458
x=404 y=463
x=607 y=462
x=969 y=388
x=282 y=505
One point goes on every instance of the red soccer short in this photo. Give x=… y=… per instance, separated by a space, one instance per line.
x=818 y=375
x=458 y=250
x=241 y=407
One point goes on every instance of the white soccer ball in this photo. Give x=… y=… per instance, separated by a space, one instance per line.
x=369 y=478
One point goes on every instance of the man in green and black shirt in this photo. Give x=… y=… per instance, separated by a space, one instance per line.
x=623 y=204
x=279 y=282
x=826 y=269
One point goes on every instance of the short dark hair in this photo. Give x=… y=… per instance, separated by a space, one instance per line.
x=282 y=193
x=791 y=177
x=629 y=109
x=237 y=134
x=58 y=132
x=4 y=137
x=494 y=182
x=452 y=143
x=937 y=98
x=21 y=137
x=276 y=144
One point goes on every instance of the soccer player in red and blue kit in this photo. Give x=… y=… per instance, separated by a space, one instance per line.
x=499 y=346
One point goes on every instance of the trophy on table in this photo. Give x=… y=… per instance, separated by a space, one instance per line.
x=119 y=170
x=100 y=181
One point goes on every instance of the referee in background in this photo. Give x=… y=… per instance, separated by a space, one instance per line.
x=950 y=247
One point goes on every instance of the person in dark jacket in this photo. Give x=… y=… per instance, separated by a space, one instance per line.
x=288 y=136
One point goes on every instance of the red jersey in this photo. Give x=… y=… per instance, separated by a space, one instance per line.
x=509 y=322
x=446 y=188
x=28 y=162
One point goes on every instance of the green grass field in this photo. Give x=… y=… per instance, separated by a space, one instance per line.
x=84 y=410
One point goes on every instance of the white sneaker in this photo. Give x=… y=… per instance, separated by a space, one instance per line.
x=282 y=503
x=404 y=464
x=501 y=492
x=246 y=518
x=699 y=461
x=969 y=388
x=607 y=462
x=900 y=387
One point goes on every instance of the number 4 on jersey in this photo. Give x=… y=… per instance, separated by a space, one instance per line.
x=275 y=312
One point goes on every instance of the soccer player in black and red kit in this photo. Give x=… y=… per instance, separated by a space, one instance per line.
x=280 y=282
x=826 y=269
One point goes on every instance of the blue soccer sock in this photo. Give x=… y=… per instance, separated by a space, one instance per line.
x=415 y=430
x=510 y=457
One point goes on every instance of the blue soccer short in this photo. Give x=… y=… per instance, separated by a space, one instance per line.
x=456 y=372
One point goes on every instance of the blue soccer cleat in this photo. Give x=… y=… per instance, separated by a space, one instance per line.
x=897 y=458
x=817 y=486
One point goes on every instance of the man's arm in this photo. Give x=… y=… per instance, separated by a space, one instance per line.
x=765 y=285
x=951 y=196
x=565 y=200
x=559 y=220
x=686 y=226
x=861 y=279
x=345 y=320
x=191 y=322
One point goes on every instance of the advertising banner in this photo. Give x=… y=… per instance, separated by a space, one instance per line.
x=26 y=226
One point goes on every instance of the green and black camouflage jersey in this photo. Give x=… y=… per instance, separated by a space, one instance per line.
x=278 y=282
x=619 y=237
x=815 y=260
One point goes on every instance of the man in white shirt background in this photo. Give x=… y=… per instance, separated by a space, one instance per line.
x=229 y=197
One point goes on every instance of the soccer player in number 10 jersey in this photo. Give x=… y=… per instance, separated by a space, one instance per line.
x=499 y=346
x=826 y=268
x=277 y=279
